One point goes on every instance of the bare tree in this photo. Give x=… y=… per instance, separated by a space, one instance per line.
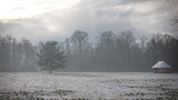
x=79 y=40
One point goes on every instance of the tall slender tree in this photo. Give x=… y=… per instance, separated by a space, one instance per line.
x=79 y=40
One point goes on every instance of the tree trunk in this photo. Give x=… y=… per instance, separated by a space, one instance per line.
x=80 y=54
x=50 y=69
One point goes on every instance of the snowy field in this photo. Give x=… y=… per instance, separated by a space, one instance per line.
x=92 y=86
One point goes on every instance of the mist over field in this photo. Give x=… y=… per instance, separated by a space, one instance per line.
x=88 y=49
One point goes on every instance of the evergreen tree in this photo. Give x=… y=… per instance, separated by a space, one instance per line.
x=51 y=56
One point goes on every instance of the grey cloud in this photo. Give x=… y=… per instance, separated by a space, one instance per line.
x=27 y=28
x=96 y=16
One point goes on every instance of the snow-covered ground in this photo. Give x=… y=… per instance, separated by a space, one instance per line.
x=85 y=85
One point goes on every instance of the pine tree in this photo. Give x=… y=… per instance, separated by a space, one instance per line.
x=51 y=56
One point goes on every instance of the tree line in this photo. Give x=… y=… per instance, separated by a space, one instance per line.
x=119 y=51
x=16 y=56
x=111 y=52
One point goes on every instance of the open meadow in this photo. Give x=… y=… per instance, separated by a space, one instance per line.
x=87 y=85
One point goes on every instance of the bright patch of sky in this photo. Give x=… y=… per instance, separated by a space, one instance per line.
x=14 y=9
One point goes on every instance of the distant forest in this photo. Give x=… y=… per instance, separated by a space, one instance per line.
x=110 y=52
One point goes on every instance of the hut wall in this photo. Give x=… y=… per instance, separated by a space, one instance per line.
x=161 y=70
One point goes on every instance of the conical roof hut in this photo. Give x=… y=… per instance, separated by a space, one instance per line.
x=161 y=67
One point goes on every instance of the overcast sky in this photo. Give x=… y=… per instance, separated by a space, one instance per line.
x=57 y=19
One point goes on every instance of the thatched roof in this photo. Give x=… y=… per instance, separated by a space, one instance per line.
x=161 y=64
